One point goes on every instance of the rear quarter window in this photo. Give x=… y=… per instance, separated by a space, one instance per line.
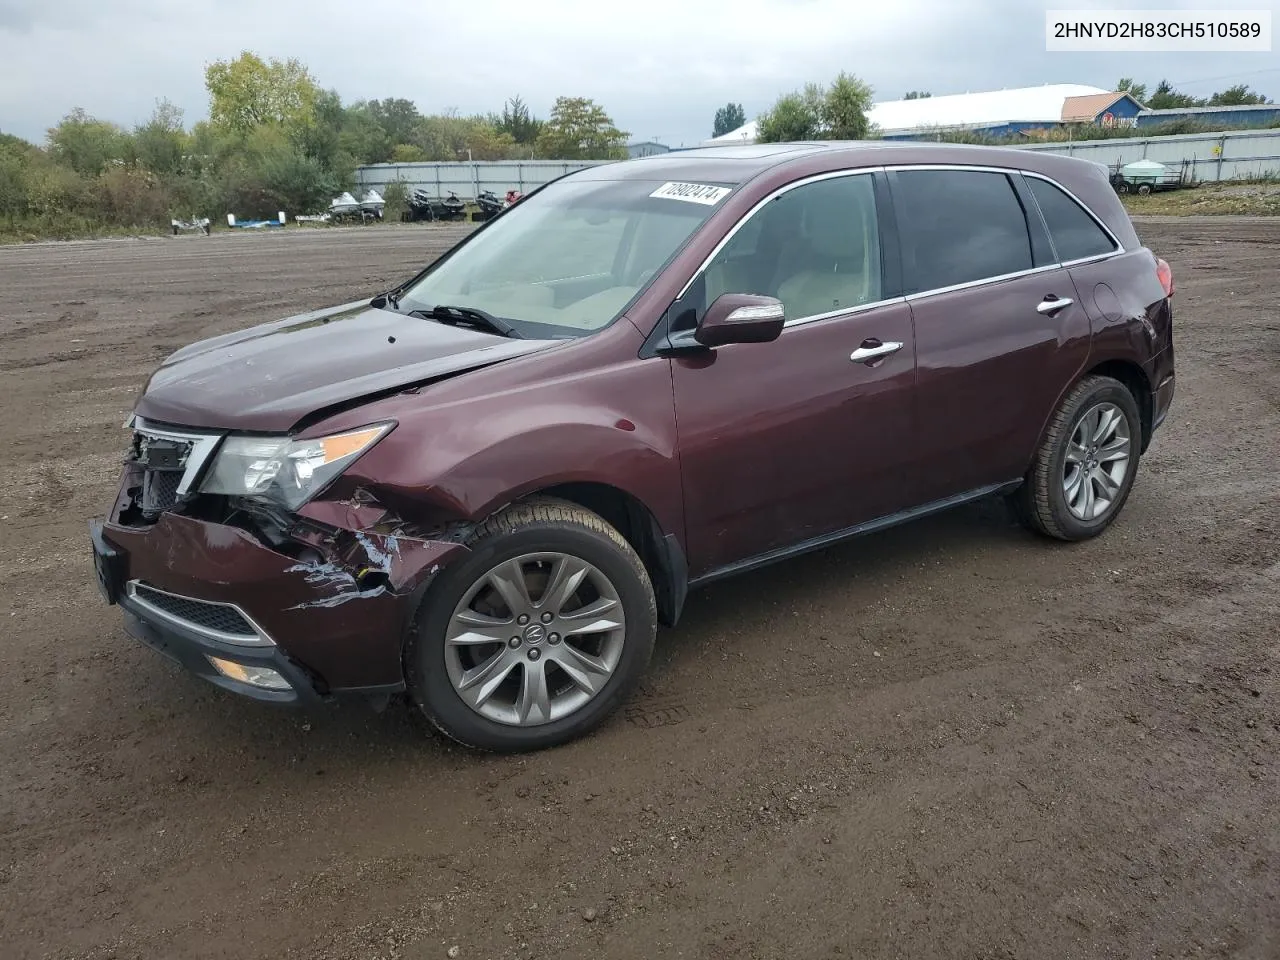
x=1076 y=235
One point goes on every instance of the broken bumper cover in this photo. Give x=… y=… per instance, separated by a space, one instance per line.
x=195 y=590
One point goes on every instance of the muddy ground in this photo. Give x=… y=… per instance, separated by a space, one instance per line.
x=947 y=740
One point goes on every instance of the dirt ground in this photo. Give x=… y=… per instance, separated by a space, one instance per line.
x=947 y=740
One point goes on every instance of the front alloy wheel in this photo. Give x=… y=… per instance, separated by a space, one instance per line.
x=535 y=638
x=537 y=634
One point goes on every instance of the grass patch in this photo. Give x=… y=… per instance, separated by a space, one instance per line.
x=1261 y=199
x=69 y=227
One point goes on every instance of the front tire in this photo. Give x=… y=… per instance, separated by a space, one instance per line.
x=1087 y=463
x=537 y=635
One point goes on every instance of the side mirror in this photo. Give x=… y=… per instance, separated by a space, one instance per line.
x=740 y=318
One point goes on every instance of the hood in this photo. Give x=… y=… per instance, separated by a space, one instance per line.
x=269 y=377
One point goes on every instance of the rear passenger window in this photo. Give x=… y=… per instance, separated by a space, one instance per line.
x=958 y=226
x=1075 y=233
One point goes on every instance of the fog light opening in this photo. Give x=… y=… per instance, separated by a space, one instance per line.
x=263 y=677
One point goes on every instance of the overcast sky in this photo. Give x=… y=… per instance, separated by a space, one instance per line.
x=661 y=69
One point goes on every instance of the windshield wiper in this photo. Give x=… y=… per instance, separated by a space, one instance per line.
x=470 y=316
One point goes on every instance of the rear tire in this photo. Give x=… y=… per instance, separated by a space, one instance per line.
x=496 y=659
x=1079 y=482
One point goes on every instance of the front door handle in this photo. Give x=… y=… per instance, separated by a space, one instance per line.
x=872 y=349
x=1051 y=305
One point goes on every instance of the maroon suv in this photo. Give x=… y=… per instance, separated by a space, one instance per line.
x=488 y=486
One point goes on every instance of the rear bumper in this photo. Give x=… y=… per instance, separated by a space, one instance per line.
x=310 y=622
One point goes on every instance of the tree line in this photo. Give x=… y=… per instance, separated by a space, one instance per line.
x=274 y=140
x=1165 y=97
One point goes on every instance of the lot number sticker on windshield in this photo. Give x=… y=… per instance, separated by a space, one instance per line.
x=692 y=193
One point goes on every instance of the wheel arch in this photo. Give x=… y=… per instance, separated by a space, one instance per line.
x=1127 y=372
x=1135 y=379
x=660 y=551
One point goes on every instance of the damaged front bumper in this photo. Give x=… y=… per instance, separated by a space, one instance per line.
x=289 y=622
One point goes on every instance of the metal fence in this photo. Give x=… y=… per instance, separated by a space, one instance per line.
x=1210 y=156
x=468 y=179
x=1228 y=155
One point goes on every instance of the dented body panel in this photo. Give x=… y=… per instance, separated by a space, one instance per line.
x=270 y=377
x=317 y=609
x=588 y=413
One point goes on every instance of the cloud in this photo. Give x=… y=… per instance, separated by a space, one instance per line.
x=660 y=68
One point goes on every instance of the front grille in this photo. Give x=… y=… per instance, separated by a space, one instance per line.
x=204 y=615
x=159 y=491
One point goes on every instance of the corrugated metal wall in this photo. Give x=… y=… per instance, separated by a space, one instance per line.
x=1212 y=156
x=1222 y=117
x=468 y=179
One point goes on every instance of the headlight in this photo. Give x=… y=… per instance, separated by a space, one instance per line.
x=288 y=471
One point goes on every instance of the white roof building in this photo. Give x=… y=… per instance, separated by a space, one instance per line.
x=959 y=111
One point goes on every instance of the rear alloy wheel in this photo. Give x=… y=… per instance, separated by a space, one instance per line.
x=537 y=635
x=1086 y=465
x=1096 y=462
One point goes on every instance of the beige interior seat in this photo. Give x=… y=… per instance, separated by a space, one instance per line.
x=837 y=269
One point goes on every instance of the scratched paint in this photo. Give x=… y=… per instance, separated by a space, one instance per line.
x=377 y=556
x=338 y=599
x=324 y=575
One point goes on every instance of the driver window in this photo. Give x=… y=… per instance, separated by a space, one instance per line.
x=815 y=248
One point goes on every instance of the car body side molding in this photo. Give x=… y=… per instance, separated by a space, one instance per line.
x=870 y=526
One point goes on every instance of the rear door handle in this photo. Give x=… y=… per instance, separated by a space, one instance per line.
x=1051 y=305
x=871 y=349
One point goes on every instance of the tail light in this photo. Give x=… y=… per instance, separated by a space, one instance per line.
x=1166 y=276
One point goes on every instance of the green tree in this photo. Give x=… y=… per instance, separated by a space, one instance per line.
x=1136 y=90
x=844 y=109
x=451 y=137
x=15 y=157
x=518 y=122
x=161 y=142
x=363 y=138
x=579 y=129
x=486 y=142
x=396 y=197
x=248 y=92
x=1164 y=97
x=397 y=117
x=795 y=116
x=836 y=112
x=268 y=173
x=1239 y=95
x=728 y=118
x=407 y=153
x=87 y=145
x=917 y=95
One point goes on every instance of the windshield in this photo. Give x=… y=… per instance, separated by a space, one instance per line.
x=568 y=259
